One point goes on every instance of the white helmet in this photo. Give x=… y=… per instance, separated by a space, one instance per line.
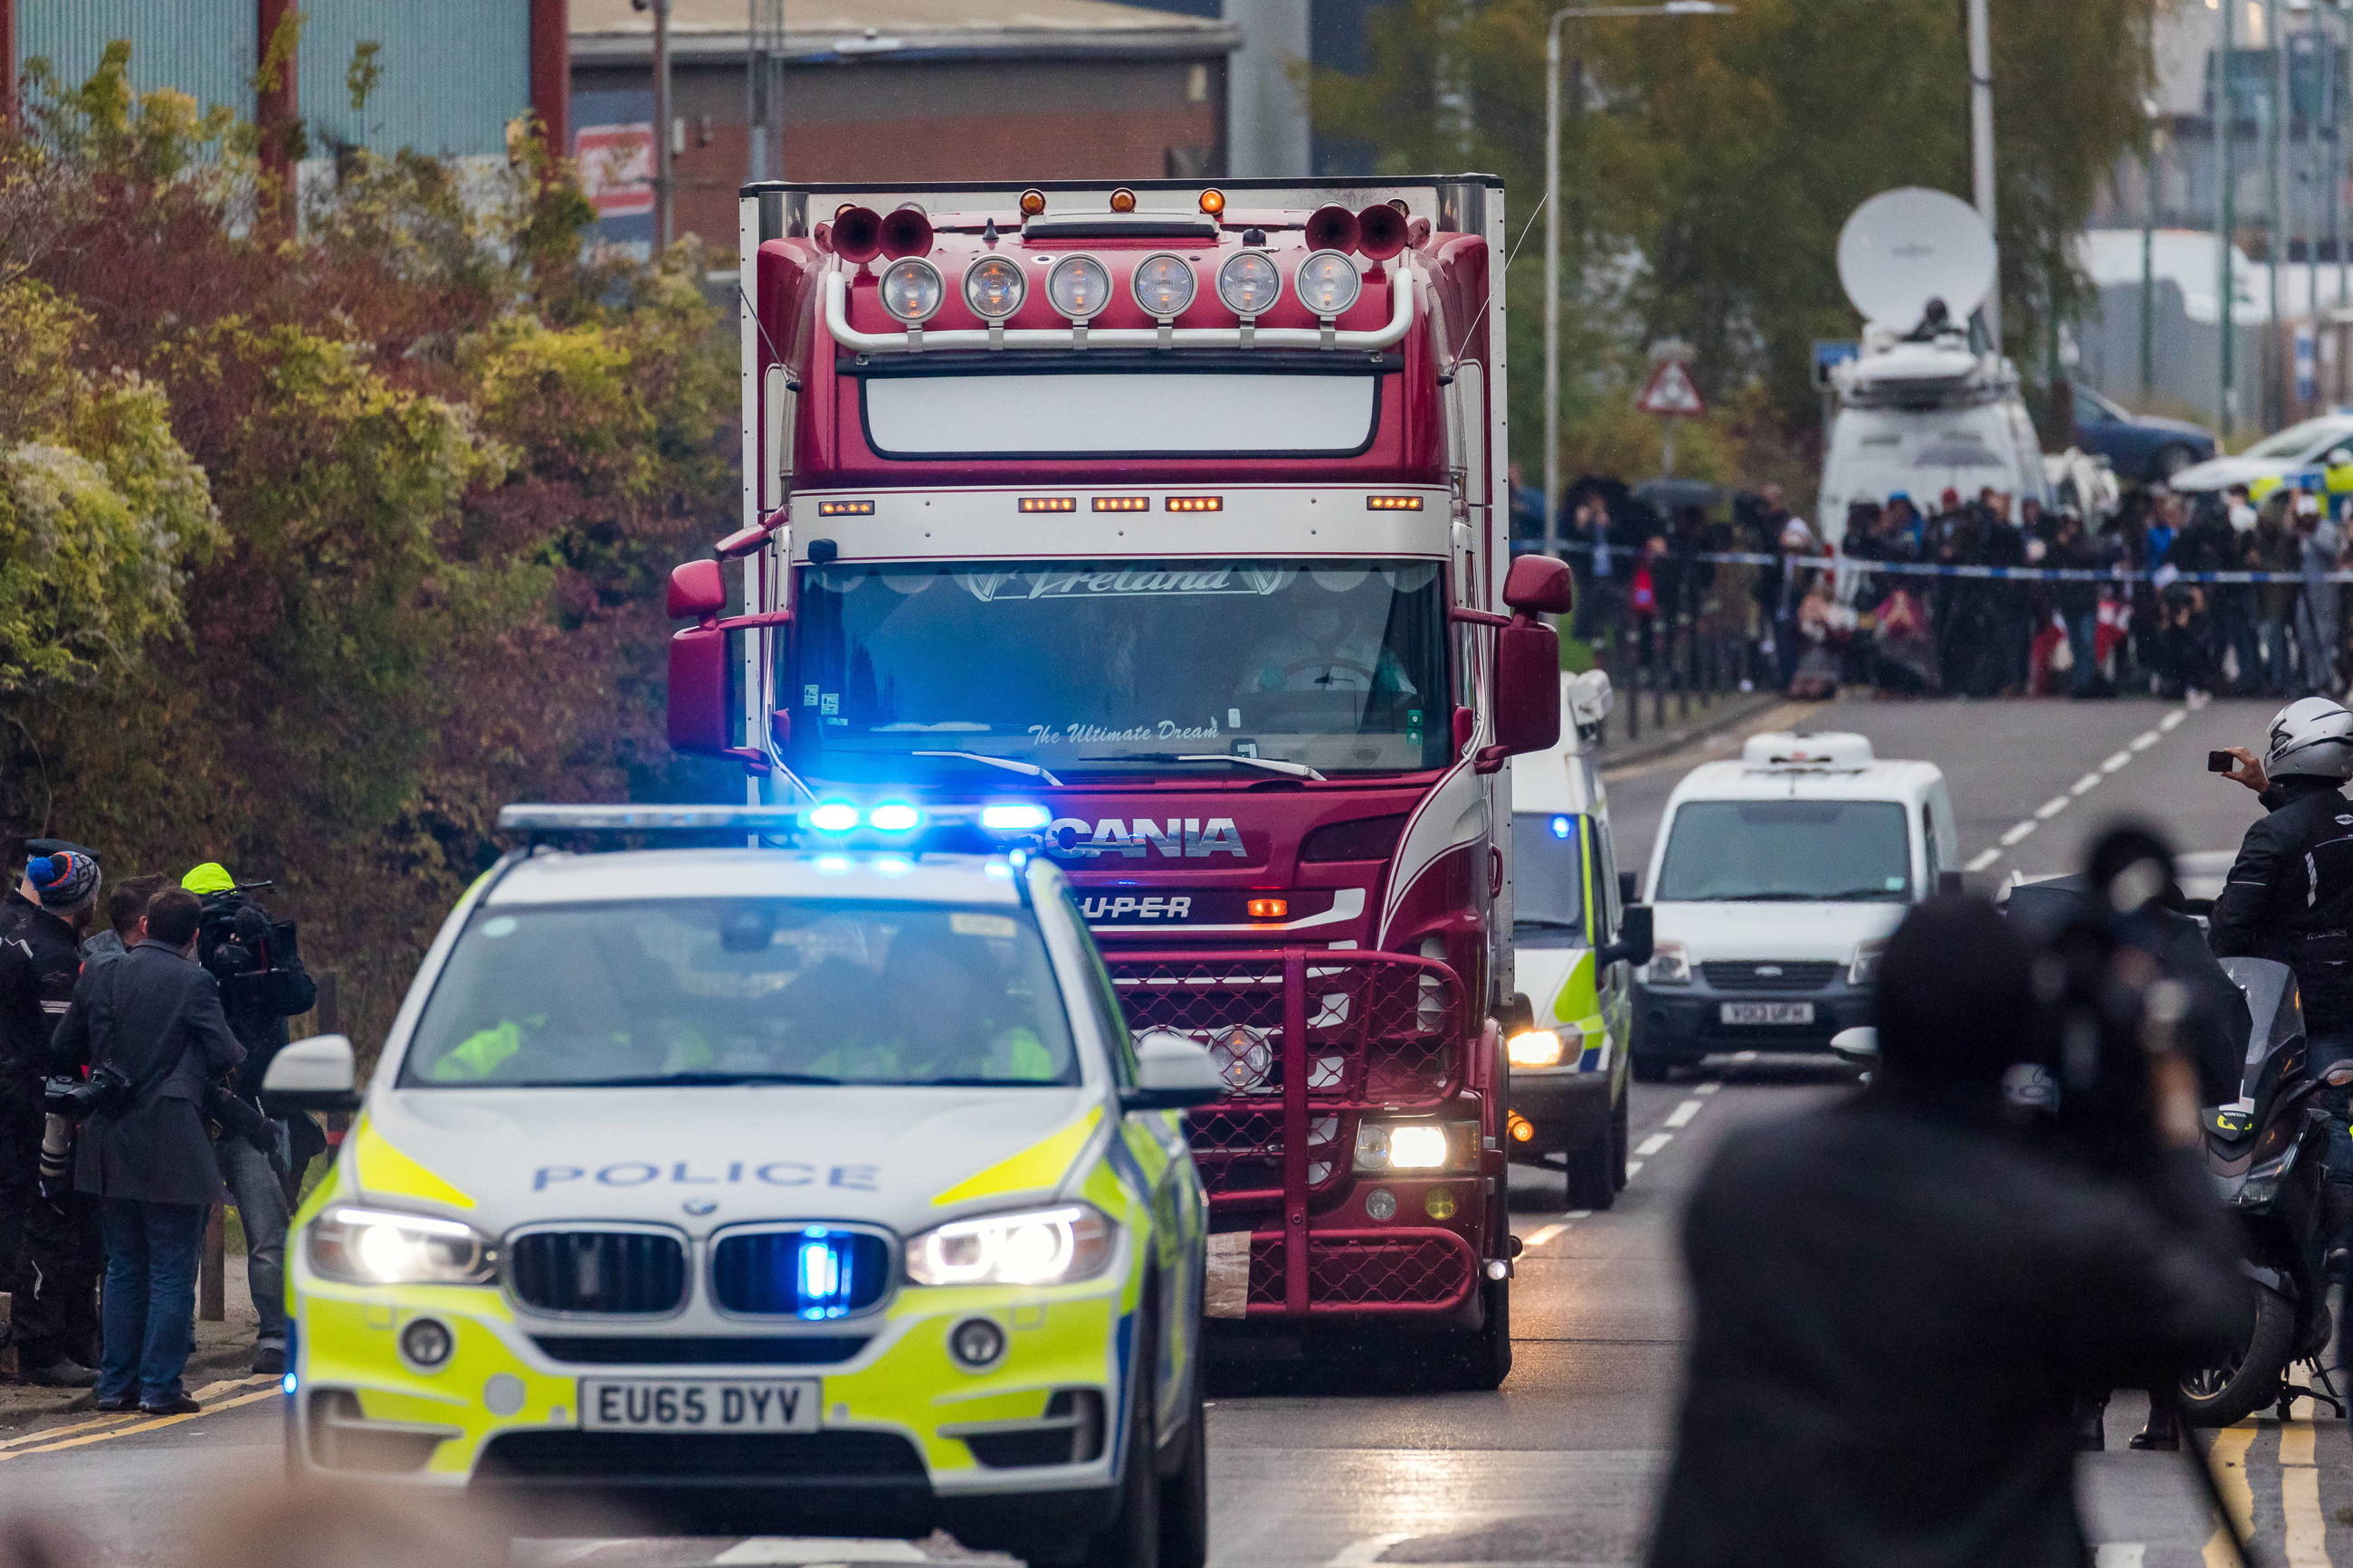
x=2313 y=737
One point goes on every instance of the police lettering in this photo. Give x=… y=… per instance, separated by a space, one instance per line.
x=683 y=1173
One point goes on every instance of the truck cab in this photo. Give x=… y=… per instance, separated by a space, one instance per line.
x=1168 y=511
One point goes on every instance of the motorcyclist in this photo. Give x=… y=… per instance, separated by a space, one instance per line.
x=2290 y=898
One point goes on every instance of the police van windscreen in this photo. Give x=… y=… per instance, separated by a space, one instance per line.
x=1126 y=666
x=1787 y=851
x=1547 y=879
x=686 y=992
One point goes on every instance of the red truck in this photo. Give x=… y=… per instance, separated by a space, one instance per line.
x=1171 y=519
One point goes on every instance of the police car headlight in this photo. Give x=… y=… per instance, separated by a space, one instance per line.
x=1032 y=1247
x=375 y=1246
x=1864 y=969
x=1670 y=964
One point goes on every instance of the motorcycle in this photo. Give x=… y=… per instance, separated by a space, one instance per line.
x=2267 y=1153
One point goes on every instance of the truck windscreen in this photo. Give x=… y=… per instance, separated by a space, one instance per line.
x=1120 y=415
x=1118 y=667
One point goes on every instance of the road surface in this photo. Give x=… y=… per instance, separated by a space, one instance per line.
x=1558 y=1468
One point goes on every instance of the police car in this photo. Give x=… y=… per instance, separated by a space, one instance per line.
x=813 y=1190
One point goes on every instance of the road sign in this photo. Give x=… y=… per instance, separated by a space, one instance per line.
x=1671 y=394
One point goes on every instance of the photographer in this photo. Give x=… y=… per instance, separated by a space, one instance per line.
x=262 y=984
x=1895 y=1297
x=2290 y=898
x=50 y=1242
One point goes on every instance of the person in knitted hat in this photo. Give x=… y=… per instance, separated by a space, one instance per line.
x=48 y=1250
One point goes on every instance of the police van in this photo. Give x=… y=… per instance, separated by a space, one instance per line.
x=1774 y=883
x=1578 y=937
x=813 y=1189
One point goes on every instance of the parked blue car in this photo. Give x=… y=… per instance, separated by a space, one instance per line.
x=2140 y=448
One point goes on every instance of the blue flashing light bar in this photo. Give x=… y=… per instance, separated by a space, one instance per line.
x=834 y=817
x=1564 y=826
x=902 y=822
x=895 y=816
x=1015 y=816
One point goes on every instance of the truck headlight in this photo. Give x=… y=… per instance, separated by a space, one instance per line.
x=1864 y=969
x=377 y=1246
x=1411 y=1145
x=1028 y=1247
x=1670 y=964
x=1533 y=1049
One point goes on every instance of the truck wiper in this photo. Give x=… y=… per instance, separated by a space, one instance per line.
x=1266 y=764
x=1011 y=765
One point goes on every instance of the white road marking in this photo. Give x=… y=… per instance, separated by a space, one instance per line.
x=2051 y=808
x=1681 y=1114
x=2084 y=785
x=1360 y=1553
x=1744 y=1056
x=2144 y=740
x=556 y=1553
x=2018 y=833
x=2308 y=1528
x=1633 y=1169
x=1654 y=1144
x=2173 y=720
x=2120 y=1556
x=1543 y=1235
x=1708 y=1088
x=2116 y=760
x=795 y=1550
x=1579 y=1214
x=1984 y=857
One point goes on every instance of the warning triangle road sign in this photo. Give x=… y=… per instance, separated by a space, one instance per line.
x=1671 y=393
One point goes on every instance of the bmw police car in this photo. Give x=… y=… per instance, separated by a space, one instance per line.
x=813 y=1189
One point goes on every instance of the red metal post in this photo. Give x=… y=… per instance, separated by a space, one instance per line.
x=274 y=109
x=7 y=62
x=551 y=72
x=1294 y=1131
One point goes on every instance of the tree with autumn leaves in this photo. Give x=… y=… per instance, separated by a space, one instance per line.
x=323 y=535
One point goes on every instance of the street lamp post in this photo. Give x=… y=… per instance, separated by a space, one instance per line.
x=1552 y=227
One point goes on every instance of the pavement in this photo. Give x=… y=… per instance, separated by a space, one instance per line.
x=1559 y=1467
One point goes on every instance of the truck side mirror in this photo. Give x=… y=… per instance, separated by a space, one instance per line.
x=1539 y=585
x=1628 y=893
x=702 y=705
x=1527 y=691
x=697 y=591
x=316 y=1074
x=1636 y=937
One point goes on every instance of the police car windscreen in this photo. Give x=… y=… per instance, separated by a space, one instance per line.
x=1120 y=666
x=743 y=991
x=1787 y=851
x=1547 y=879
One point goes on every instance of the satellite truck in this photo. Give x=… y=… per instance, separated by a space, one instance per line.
x=1167 y=520
x=1927 y=404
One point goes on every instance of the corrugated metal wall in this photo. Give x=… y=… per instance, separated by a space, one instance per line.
x=203 y=48
x=454 y=73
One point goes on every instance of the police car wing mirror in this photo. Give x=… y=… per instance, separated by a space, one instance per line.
x=316 y=1074
x=1626 y=891
x=1636 y=940
x=1172 y=1074
x=2339 y=456
x=1857 y=1047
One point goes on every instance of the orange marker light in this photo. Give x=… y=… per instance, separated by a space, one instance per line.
x=1521 y=1128
x=845 y=509
x=1049 y=503
x=1269 y=909
x=1122 y=503
x=1033 y=202
x=1195 y=503
x=1213 y=202
x=1392 y=503
x=1123 y=200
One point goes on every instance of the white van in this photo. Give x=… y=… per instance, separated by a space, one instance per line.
x=1776 y=881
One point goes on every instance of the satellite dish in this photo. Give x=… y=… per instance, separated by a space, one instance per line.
x=1902 y=248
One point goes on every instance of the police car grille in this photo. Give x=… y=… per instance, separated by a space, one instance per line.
x=598 y=1271
x=813 y=1272
x=1741 y=975
x=842 y=1456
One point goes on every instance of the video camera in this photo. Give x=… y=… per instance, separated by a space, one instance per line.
x=236 y=940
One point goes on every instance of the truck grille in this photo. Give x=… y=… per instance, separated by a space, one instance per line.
x=1769 y=974
x=1361 y=1270
x=810 y=1271
x=622 y=1272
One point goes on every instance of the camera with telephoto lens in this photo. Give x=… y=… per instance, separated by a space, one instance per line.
x=80 y=1098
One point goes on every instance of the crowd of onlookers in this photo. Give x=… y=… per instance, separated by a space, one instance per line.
x=136 y=1022
x=1813 y=615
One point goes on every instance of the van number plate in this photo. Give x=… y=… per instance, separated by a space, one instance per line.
x=1769 y=1012
x=697 y=1406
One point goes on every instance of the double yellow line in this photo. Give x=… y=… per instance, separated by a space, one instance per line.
x=215 y=1398
x=2306 y=1538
